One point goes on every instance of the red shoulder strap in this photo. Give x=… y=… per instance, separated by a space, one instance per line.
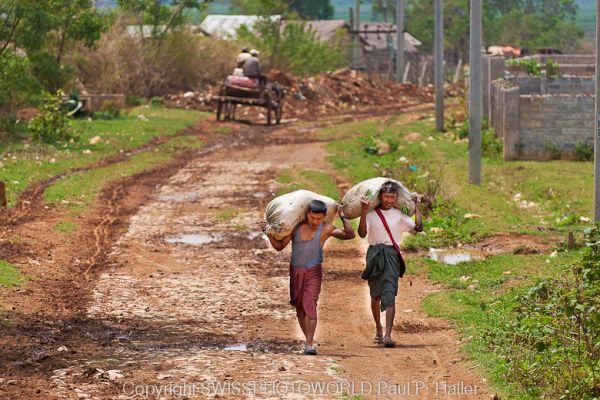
x=387 y=228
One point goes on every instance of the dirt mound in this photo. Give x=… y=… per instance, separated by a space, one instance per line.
x=338 y=91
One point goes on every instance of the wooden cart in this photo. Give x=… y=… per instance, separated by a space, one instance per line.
x=269 y=96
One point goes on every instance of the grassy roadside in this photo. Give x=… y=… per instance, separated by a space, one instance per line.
x=79 y=190
x=9 y=275
x=536 y=198
x=22 y=164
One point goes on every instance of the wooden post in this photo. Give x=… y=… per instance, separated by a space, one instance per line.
x=2 y=194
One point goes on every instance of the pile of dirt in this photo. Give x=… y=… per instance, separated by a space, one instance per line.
x=338 y=91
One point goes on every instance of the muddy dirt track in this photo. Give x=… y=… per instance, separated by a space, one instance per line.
x=169 y=290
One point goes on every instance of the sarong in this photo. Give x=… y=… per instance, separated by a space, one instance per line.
x=305 y=287
x=382 y=272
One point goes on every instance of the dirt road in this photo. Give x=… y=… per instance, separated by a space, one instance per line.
x=191 y=302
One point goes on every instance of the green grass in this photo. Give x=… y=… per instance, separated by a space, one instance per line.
x=22 y=164
x=228 y=214
x=474 y=309
x=65 y=227
x=80 y=189
x=10 y=275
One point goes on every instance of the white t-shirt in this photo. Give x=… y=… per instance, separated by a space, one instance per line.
x=396 y=220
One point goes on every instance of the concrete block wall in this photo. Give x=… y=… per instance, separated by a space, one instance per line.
x=558 y=121
x=558 y=85
x=493 y=69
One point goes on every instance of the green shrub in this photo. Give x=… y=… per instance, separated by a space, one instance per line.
x=552 y=69
x=491 y=145
x=18 y=88
x=552 y=150
x=584 y=152
x=134 y=101
x=552 y=347
x=531 y=66
x=52 y=125
x=157 y=101
x=108 y=110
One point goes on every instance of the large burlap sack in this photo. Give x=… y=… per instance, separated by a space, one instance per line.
x=283 y=213
x=351 y=200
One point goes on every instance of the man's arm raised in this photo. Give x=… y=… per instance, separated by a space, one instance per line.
x=362 y=226
x=347 y=233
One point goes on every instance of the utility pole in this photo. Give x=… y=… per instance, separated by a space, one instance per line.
x=356 y=27
x=399 y=40
x=475 y=96
x=439 y=65
x=597 y=122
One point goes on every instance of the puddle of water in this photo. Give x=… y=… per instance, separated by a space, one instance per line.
x=195 y=238
x=237 y=347
x=455 y=256
x=256 y=235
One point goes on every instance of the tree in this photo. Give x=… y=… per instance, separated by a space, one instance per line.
x=304 y=9
x=312 y=9
x=45 y=30
x=524 y=23
x=296 y=48
x=162 y=17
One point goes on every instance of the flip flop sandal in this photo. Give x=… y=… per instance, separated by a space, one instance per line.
x=310 y=351
x=378 y=339
x=388 y=342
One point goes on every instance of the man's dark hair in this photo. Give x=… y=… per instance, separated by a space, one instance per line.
x=390 y=187
x=245 y=50
x=317 y=207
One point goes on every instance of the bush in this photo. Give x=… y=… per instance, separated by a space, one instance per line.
x=531 y=66
x=134 y=101
x=182 y=61
x=52 y=125
x=552 y=150
x=295 y=49
x=491 y=145
x=108 y=110
x=584 y=152
x=553 y=346
x=18 y=88
x=552 y=69
x=157 y=101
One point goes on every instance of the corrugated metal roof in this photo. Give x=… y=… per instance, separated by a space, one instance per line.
x=225 y=26
x=378 y=41
x=326 y=29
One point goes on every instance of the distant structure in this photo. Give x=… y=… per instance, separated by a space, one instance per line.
x=545 y=116
x=226 y=26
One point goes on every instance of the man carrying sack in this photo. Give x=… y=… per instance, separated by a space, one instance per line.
x=306 y=274
x=383 y=228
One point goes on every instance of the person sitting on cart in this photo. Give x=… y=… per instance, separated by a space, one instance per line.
x=243 y=56
x=251 y=68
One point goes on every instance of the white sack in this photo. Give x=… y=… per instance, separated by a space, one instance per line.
x=283 y=213
x=351 y=200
